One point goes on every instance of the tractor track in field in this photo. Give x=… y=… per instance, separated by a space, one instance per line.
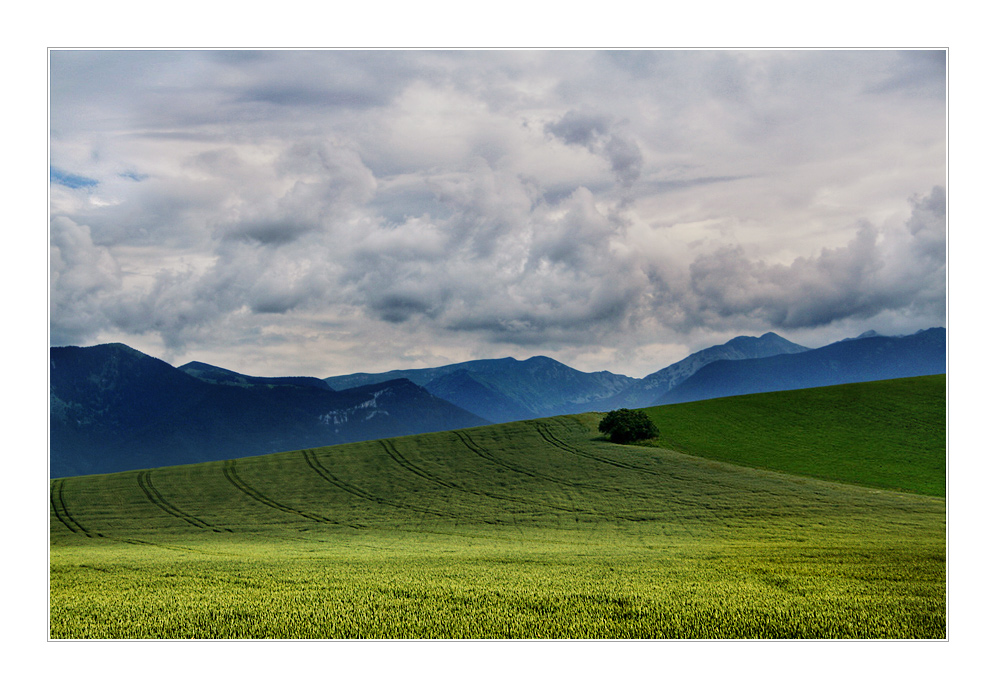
x=62 y=513
x=489 y=456
x=182 y=549
x=157 y=499
x=484 y=454
x=71 y=523
x=546 y=433
x=233 y=478
x=325 y=473
x=400 y=459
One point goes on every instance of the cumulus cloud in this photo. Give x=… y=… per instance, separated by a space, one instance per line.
x=876 y=271
x=525 y=202
x=580 y=128
x=82 y=275
x=601 y=136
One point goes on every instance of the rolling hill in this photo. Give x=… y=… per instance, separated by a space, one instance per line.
x=886 y=434
x=533 y=529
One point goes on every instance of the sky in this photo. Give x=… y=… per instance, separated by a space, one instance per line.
x=302 y=212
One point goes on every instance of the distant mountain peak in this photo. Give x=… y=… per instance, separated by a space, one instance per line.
x=767 y=338
x=854 y=360
x=645 y=391
x=866 y=334
x=539 y=357
x=223 y=376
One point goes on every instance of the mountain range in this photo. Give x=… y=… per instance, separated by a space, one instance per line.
x=649 y=391
x=857 y=360
x=114 y=408
x=507 y=389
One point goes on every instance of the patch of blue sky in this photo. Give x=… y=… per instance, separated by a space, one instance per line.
x=68 y=179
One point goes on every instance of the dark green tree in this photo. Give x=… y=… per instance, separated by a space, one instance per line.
x=627 y=425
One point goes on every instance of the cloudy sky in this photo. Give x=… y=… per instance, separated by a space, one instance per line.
x=326 y=212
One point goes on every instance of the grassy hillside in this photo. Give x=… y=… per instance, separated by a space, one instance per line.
x=889 y=434
x=536 y=529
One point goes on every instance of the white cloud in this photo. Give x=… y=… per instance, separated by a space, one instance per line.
x=602 y=206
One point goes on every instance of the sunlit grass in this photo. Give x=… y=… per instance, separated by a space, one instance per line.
x=526 y=530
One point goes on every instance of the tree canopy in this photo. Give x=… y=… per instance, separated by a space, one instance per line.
x=627 y=425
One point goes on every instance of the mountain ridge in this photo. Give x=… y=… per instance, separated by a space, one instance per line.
x=651 y=387
x=216 y=374
x=114 y=408
x=508 y=389
x=854 y=360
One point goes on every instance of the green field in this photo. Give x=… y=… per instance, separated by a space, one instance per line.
x=886 y=434
x=536 y=529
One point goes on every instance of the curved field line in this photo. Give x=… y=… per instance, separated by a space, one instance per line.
x=485 y=454
x=62 y=513
x=312 y=459
x=233 y=478
x=546 y=433
x=400 y=459
x=157 y=499
x=135 y=541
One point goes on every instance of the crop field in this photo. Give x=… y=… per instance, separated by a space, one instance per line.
x=536 y=529
x=886 y=434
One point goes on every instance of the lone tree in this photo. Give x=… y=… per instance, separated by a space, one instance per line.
x=627 y=425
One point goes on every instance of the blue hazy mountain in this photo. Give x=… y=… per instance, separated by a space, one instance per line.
x=114 y=408
x=865 y=358
x=646 y=391
x=506 y=389
x=215 y=374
